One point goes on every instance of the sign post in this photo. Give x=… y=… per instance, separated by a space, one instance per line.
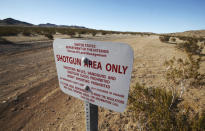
x=91 y=111
x=91 y=115
x=96 y=72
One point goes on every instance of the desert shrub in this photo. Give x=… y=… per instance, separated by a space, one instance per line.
x=201 y=39
x=94 y=33
x=151 y=107
x=47 y=31
x=82 y=31
x=164 y=38
x=14 y=30
x=9 y=31
x=79 y=36
x=173 y=39
x=26 y=33
x=185 y=38
x=198 y=124
x=62 y=31
x=49 y=36
x=38 y=30
x=188 y=38
x=190 y=47
x=183 y=73
x=182 y=38
x=104 y=33
x=71 y=33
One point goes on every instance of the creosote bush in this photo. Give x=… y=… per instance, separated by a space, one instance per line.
x=184 y=73
x=94 y=33
x=151 y=107
x=181 y=72
x=191 y=47
x=164 y=38
x=49 y=36
x=194 y=38
x=173 y=39
x=104 y=33
x=26 y=33
x=4 y=31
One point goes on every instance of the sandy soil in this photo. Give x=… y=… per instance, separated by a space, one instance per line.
x=30 y=97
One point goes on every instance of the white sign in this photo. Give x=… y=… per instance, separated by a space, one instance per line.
x=93 y=71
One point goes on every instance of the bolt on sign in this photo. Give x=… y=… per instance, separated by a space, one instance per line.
x=93 y=71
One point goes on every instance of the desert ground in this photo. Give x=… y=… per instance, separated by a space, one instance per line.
x=30 y=97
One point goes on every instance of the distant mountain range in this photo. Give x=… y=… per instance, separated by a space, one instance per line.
x=10 y=21
x=13 y=22
x=54 y=25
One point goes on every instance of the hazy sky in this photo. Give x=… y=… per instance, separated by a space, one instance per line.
x=157 y=16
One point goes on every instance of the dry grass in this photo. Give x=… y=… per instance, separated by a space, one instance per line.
x=151 y=107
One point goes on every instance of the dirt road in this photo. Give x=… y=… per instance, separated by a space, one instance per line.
x=30 y=97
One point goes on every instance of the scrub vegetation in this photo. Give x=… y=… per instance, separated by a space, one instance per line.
x=164 y=38
x=152 y=108
x=172 y=38
x=185 y=72
x=160 y=109
x=50 y=31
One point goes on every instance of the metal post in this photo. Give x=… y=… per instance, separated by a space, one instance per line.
x=91 y=115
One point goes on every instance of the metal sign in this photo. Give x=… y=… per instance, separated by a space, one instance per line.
x=96 y=72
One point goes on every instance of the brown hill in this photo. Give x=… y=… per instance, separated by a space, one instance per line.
x=191 y=33
x=11 y=21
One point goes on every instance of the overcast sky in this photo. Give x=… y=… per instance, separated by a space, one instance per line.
x=159 y=16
